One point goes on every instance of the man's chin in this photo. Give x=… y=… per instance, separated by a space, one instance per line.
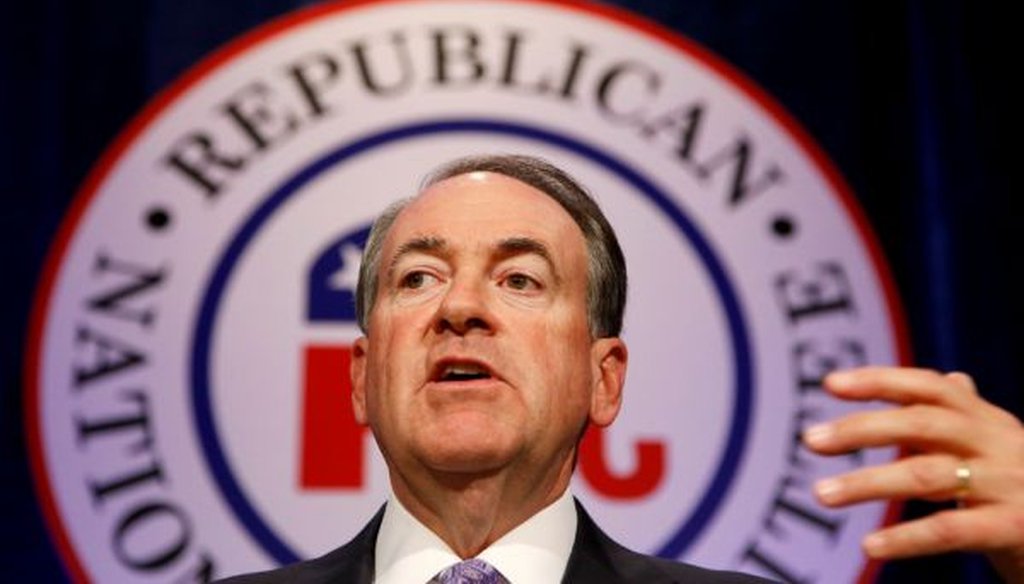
x=462 y=455
x=465 y=471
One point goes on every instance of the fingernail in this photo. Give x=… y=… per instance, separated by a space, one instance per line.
x=874 y=545
x=839 y=379
x=818 y=434
x=828 y=490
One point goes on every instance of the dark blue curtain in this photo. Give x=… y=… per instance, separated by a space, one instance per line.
x=910 y=99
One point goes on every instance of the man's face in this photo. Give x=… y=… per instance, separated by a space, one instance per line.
x=479 y=355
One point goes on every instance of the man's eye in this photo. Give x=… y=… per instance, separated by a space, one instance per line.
x=416 y=280
x=521 y=282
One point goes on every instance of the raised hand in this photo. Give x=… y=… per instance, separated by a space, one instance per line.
x=958 y=447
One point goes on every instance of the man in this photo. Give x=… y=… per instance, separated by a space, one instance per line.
x=491 y=305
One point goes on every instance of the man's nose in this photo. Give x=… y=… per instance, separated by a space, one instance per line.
x=464 y=308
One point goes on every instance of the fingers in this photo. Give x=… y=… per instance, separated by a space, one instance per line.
x=932 y=477
x=903 y=385
x=993 y=527
x=963 y=380
x=964 y=448
x=940 y=413
x=921 y=427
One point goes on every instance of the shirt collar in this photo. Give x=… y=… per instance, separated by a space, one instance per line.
x=535 y=551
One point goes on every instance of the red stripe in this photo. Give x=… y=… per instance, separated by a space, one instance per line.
x=333 y=453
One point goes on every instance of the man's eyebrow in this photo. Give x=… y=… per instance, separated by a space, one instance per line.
x=514 y=246
x=429 y=245
x=523 y=245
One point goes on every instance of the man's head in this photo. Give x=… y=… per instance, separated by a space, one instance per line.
x=606 y=283
x=487 y=348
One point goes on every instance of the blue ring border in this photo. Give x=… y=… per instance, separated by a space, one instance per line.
x=743 y=405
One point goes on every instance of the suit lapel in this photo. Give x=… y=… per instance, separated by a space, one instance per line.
x=353 y=562
x=590 y=560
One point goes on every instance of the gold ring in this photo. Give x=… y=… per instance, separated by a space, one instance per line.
x=963 y=482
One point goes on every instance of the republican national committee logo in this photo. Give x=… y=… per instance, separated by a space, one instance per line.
x=188 y=403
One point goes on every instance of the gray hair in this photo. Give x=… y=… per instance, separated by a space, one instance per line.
x=606 y=273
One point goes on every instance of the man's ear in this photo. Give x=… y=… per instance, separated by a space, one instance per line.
x=357 y=373
x=608 y=360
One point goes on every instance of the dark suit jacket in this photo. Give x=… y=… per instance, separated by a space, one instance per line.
x=595 y=559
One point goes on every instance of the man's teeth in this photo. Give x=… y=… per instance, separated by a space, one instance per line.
x=464 y=372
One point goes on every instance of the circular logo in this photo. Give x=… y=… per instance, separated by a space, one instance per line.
x=189 y=408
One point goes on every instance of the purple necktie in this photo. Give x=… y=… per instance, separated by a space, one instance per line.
x=471 y=571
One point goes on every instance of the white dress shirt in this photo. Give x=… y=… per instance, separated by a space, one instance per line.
x=536 y=551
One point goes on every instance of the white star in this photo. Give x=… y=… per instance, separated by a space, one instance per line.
x=347 y=277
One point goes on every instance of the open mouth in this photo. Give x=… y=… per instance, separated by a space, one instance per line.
x=463 y=371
